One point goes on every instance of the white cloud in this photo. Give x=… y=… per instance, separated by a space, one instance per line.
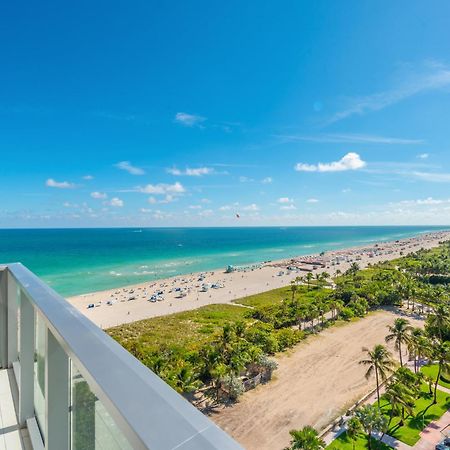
x=267 y=180
x=128 y=167
x=350 y=138
x=423 y=155
x=189 y=120
x=351 y=161
x=88 y=177
x=433 y=76
x=98 y=195
x=206 y=213
x=434 y=177
x=312 y=200
x=195 y=206
x=145 y=210
x=244 y=179
x=425 y=201
x=285 y=200
x=116 y=202
x=346 y=190
x=167 y=199
x=252 y=207
x=197 y=172
x=163 y=189
x=225 y=208
x=59 y=184
x=288 y=207
x=205 y=200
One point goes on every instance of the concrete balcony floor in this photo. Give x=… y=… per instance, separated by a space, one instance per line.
x=11 y=436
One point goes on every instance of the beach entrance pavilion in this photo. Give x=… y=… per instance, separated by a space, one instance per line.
x=66 y=385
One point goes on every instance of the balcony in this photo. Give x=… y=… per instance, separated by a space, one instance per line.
x=66 y=385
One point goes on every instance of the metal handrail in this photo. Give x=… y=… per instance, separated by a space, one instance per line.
x=149 y=412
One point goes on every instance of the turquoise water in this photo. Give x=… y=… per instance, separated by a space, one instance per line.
x=75 y=261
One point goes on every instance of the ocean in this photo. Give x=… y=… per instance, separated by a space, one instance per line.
x=77 y=261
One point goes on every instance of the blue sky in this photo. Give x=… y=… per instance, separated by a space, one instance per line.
x=189 y=113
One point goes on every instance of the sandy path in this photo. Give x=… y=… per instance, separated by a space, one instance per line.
x=312 y=386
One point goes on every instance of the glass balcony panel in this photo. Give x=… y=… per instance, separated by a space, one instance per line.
x=92 y=426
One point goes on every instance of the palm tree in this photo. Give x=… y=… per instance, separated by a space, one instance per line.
x=379 y=361
x=371 y=419
x=306 y=439
x=309 y=277
x=400 y=398
x=441 y=353
x=354 y=428
x=400 y=334
x=418 y=346
x=184 y=379
x=439 y=319
x=294 y=289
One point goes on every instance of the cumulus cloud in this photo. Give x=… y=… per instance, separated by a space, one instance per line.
x=59 y=184
x=288 y=207
x=163 y=189
x=423 y=155
x=116 y=202
x=197 y=172
x=312 y=200
x=189 y=120
x=98 y=195
x=252 y=207
x=285 y=200
x=350 y=161
x=128 y=167
x=425 y=201
x=206 y=213
x=88 y=177
x=167 y=199
x=267 y=180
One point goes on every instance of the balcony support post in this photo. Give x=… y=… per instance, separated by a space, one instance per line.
x=26 y=379
x=57 y=396
x=12 y=298
x=3 y=318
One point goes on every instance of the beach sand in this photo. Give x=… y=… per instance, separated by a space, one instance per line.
x=314 y=384
x=236 y=285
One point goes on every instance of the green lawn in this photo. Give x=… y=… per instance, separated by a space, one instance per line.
x=432 y=371
x=344 y=443
x=276 y=296
x=188 y=329
x=409 y=433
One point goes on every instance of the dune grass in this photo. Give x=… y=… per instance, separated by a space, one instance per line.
x=188 y=329
x=276 y=296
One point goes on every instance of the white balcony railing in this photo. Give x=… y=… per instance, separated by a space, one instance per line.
x=78 y=389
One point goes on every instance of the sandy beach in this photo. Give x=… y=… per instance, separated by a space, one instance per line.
x=157 y=298
x=323 y=379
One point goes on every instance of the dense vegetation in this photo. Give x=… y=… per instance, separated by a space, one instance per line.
x=218 y=346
